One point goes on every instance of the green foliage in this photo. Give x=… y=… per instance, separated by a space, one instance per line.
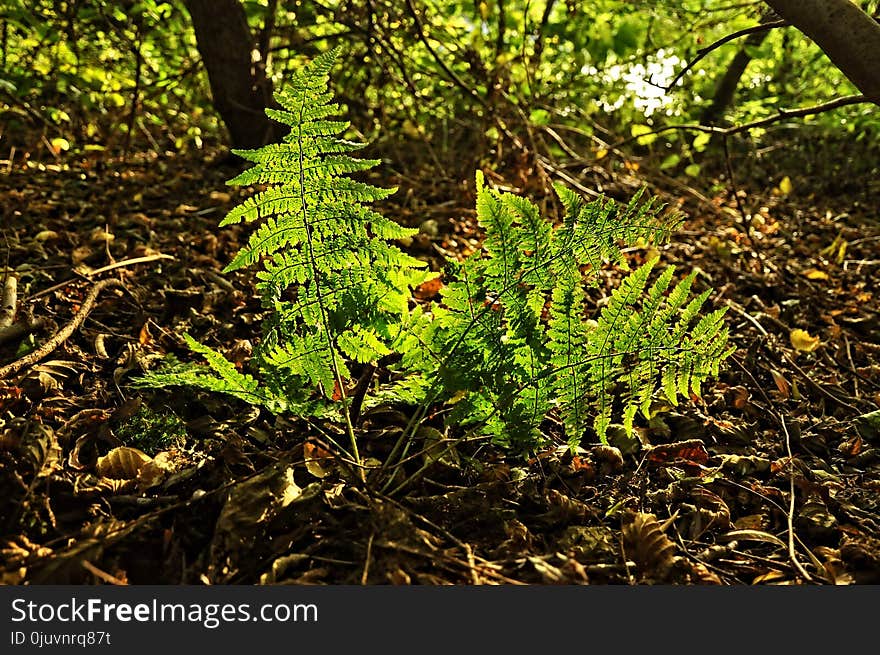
x=510 y=340
x=74 y=65
x=336 y=286
x=512 y=336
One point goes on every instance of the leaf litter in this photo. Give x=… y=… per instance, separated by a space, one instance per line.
x=199 y=490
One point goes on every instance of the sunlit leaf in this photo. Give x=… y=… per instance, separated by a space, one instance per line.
x=803 y=341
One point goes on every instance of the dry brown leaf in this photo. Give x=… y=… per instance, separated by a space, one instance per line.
x=428 y=289
x=781 y=383
x=692 y=451
x=122 y=463
x=319 y=461
x=645 y=543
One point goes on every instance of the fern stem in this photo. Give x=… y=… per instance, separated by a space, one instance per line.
x=349 y=426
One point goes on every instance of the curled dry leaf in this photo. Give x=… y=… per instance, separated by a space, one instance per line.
x=782 y=384
x=608 y=455
x=645 y=543
x=122 y=463
x=319 y=461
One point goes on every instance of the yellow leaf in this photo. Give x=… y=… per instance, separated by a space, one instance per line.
x=59 y=144
x=803 y=341
x=601 y=153
x=785 y=186
x=122 y=463
x=644 y=134
x=816 y=274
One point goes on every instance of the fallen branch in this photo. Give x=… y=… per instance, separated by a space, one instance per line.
x=19 y=330
x=129 y=262
x=8 y=301
x=64 y=333
x=98 y=271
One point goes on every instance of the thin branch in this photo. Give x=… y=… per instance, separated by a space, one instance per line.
x=792 y=553
x=703 y=52
x=64 y=333
x=775 y=118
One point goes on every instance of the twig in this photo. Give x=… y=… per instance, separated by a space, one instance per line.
x=129 y=262
x=64 y=333
x=102 y=575
x=367 y=560
x=742 y=312
x=8 y=301
x=475 y=576
x=98 y=271
x=792 y=554
x=702 y=52
x=853 y=366
x=737 y=129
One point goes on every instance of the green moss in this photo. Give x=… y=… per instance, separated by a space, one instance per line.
x=152 y=431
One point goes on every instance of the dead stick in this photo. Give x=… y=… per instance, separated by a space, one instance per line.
x=63 y=334
x=19 y=330
x=8 y=301
x=129 y=262
x=98 y=271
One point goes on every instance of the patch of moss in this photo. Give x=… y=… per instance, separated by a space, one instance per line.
x=152 y=431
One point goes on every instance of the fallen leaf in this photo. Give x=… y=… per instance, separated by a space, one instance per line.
x=318 y=460
x=59 y=144
x=815 y=274
x=692 y=451
x=428 y=289
x=220 y=196
x=122 y=463
x=46 y=235
x=781 y=383
x=645 y=543
x=785 y=186
x=803 y=341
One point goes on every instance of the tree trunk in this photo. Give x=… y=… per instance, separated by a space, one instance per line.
x=848 y=35
x=238 y=86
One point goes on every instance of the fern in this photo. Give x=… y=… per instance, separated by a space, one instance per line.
x=513 y=330
x=509 y=343
x=337 y=288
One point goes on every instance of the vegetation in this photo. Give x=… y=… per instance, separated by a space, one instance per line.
x=581 y=292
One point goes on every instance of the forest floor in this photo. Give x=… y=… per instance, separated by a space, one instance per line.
x=772 y=477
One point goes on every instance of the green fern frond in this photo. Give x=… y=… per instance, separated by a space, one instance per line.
x=337 y=287
x=513 y=332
